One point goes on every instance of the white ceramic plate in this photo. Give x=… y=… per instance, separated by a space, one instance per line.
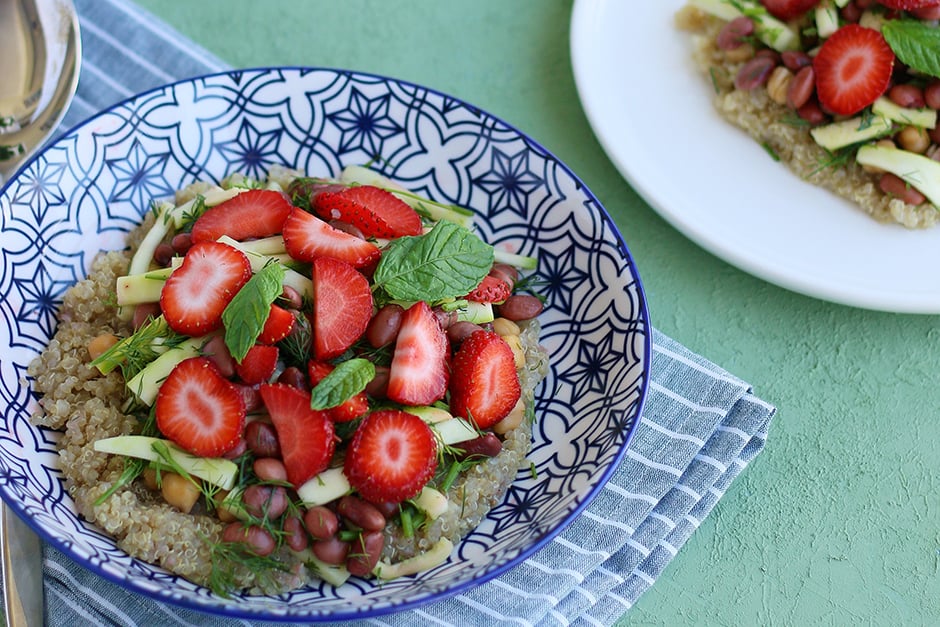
x=652 y=112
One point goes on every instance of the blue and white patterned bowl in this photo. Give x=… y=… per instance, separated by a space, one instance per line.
x=84 y=192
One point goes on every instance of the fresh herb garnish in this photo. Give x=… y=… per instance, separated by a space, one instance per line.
x=134 y=352
x=133 y=466
x=346 y=380
x=244 y=317
x=447 y=262
x=916 y=43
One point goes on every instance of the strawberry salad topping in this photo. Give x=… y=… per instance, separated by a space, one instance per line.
x=316 y=363
x=862 y=76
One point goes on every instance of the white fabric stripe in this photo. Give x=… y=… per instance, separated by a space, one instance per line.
x=590 y=619
x=738 y=432
x=128 y=52
x=75 y=607
x=561 y=617
x=684 y=488
x=99 y=600
x=137 y=15
x=581 y=549
x=739 y=462
x=609 y=573
x=692 y=519
x=646 y=498
x=493 y=613
x=545 y=568
x=669 y=547
x=675 y=435
x=669 y=522
x=691 y=364
x=428 y=617
x=672 y=470
x=607 y=521
x=528 y=595
x=644 y=551
x=619 y=599
x=104 y=78
x=718 y=411
x=587 y=595
x=711 y=461
x=716 y=491
x=639 y=573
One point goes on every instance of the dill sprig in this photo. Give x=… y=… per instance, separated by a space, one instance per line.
x=295 y=348
x=134 y=352
x=226 y=556
x=192 y=214
x=133 y=466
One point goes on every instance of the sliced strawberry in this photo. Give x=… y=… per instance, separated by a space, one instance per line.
x=306 y=436
x=419 y=371
x=251 y=214
x=197 y=292
x=307 y=237
x=853 y=67
x=258 y=364
x=788 y=9
x=342 y=307
x=374 y=211
x=348 y=410
x=391 y=456
x=279 y=324
x=198 y=409
x=484 y=383
x=490 y=290
x=909 y=5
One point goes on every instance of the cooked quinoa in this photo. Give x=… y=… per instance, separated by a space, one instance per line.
x=771 y=125
x=87 y=406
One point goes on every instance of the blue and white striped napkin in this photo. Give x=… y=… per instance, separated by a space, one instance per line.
x=700 y=428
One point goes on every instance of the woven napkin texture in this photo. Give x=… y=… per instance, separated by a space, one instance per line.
x=701 y=427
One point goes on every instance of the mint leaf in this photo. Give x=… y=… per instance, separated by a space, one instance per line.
x=915 y=43
x=245 y=315
x=446 y=262
x=345 y=381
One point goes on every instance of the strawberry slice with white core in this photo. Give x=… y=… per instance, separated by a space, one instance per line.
x=391 y=456
x=419 y=371
x=853 y=67
x=307 y=238
x=195 y=295
x=305 y=435
x=252 y=214
x=342 y=307
x=200 y=410
x=374 y=211
x=484 y=385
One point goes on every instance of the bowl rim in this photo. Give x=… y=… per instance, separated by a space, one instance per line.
x=232 y=610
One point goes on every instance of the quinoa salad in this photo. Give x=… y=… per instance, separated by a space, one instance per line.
x=294 y=379
x=843 y=92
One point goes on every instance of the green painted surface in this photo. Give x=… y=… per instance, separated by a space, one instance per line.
x=836 y=522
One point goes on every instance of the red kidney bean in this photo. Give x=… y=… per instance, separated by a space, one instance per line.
x=767 y=53
x=346 y=227
x=851 y=12
x=461 y=330
x=812 y=113
x=331 y=550
x=294 y=377
x=360 y=513
x=265 y=500
x=801 y=87
x=250 y=395
x=734 y=33
x=295 y=535
x=257 y=539
x=388 y=508
x=181 y=243
x=934 y=134
x=269 y=469
x=864 y=4
x=506 y=273
x=932 y=94
x=754 y=73
x=292 y=298
x=162 y=255
x=321 y=522
x=795 y=60
x=237 y=451
x=261 y=438
x=384 y=326
x=520 y=307
x=378 y=386
x=927 y=13
x=907 y=95
x=144 y=312
x=488 y=445
x=218 y=353
x=897 y=187
x=364 y=553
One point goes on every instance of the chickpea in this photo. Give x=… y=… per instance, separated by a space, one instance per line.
x=515 y=343
x=504 y=327
x=742 y=53
x=914 y=139
x=512 y=420
x=98 y=345
x=778 y=85
x=178 y=491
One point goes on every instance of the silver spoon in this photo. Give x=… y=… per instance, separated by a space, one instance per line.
x=40 y=56
x=40 y=52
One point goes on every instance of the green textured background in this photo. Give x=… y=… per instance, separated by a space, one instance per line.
x=835 y=522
